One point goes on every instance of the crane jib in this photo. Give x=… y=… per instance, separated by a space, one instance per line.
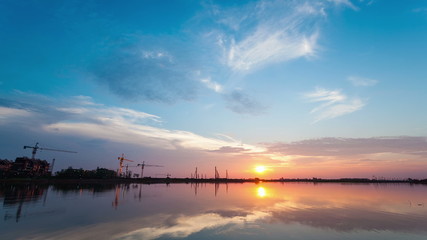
x=57 y=150
x=36 y=147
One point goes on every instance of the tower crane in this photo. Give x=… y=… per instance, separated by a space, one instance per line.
x=146 y=165
x=36 y=148
x=121 y=159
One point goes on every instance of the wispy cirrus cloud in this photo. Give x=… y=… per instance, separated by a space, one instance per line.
x=333 y=104
x=266 y=46
x=362 y=81
x=269 y=32
x=347 y=3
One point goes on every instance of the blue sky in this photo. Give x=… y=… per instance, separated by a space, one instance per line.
x=205 y=83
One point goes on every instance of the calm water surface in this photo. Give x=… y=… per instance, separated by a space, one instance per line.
x=214 y=211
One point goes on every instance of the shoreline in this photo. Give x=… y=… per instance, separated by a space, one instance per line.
x=189 y=180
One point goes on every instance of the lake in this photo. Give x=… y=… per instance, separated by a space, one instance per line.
x=214 y=211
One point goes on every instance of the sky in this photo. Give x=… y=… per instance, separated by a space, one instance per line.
x=316 y=88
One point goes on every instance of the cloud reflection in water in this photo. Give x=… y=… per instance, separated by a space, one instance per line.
x=188 y=225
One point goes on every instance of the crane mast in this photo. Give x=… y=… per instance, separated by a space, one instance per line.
x=121 y=159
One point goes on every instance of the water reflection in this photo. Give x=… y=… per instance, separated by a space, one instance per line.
x=226 y=211
x=20 y=194
x=261 y=192
x=121 y=192
x=184 y=226
x=196 y=186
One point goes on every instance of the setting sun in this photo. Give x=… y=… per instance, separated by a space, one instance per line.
x=260 y=169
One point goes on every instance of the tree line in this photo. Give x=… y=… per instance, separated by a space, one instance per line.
x=98 y=173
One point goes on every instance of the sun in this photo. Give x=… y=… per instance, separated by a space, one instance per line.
x=260 y=169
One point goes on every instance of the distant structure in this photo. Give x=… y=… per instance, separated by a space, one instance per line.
x=121 y=159
x=216 y=173
x=5 y=166
x=168 y=175
x=146 y=165
x=36 y=148
x=24 y=167
x=196 y=175
x=28 y=167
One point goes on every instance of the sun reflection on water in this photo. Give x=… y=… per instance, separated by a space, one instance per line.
x=261 y=192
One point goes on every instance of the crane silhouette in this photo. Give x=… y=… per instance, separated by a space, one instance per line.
x=36 y=148
x=146 y=165
x=121 y=159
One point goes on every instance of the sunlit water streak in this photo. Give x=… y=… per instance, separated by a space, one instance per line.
x=214 y=211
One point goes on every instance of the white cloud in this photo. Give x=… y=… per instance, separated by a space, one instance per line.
x=9 y=114
x=267 y=32
x=110 y=113
x=269 y=46
x=118 y=129
x=114 y=124
x=132 y=127
x=309 y=8
x=73 y=110
x=361 y=81
x=157 y=55
x=276 y=37
x=326 y=95
x=83 y=100
x=212 y=85
x=340 y=109
x=335 y=104
x=346 y=3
